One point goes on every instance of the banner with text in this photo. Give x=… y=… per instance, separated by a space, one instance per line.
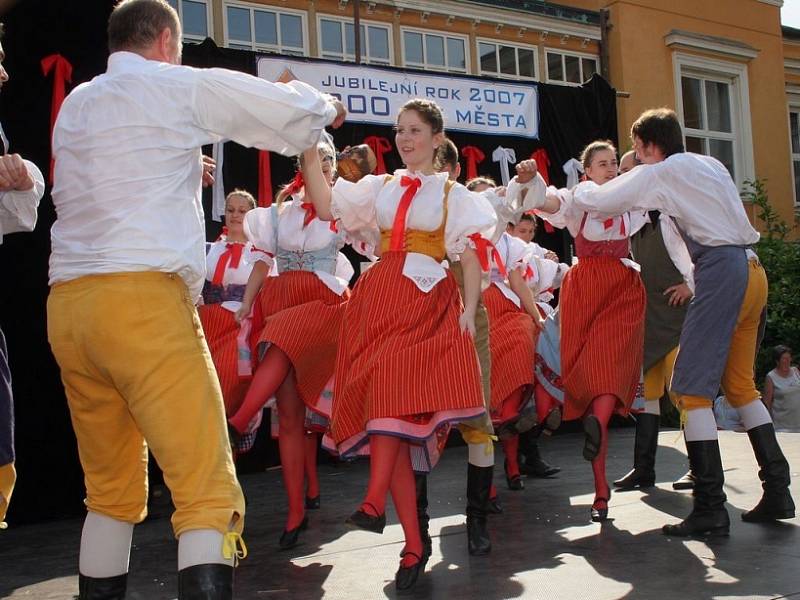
x=375 y=95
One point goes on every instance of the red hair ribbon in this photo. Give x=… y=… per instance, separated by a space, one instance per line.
x=474 y=155
x=264 y=179
x=231 y=256
x=396 y=242
x=379 y=146
x=484 y=248
x=62 y=74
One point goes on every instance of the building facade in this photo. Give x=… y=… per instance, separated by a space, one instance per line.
x=733 y=76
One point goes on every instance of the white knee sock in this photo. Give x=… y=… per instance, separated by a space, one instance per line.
x=652 y=407
x=754 y=414
x=105 y=546
x=700 y=425
x=481 y=455
x=201 y=547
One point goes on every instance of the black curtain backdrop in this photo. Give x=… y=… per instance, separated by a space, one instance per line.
x=50 y=480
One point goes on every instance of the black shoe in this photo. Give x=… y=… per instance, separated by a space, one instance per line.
x=643 y=474
x=684 y=483
x=479 y=482
x=102 y=588
x=551 y=422
x=514 y=482
x=206 y=582
x=494 y=506
x=531 y=462
x=599 y=515
x=366 y=521
x=524 y=421
x=593 y=437
x=776 y=501
x=290 y=537
x=406 y=577
x=312 y=503
x=709 y=516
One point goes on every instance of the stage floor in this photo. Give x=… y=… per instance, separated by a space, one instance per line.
x=544 y=544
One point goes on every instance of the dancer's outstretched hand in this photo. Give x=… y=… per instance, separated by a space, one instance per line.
x=526 y=170
x=209 y=166
x=341 y=113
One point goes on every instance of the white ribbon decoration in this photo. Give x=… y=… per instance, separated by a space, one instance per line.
x=573 y=169
x=504 y=156
x=218 y=189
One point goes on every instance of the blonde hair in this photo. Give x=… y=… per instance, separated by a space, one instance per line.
x=244 y=194
x=476 y=181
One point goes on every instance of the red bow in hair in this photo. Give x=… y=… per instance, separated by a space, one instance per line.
x=483 y=248
x=264 y=179
x=295 y=185
x=379 y=146
x=474 y=155
x=231 y=256
x=62 y=74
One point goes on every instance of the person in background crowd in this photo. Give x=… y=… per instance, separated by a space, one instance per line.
x=782 y=391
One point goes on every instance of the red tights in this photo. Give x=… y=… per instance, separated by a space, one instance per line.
x=544 y=402
x=390 y=470
x=269 y=376
x=310 y=454
x=602 y=407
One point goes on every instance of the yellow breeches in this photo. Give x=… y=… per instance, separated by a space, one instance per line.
x=8 y=476
x=657 y=377
x=138 y=374
x=738 y=382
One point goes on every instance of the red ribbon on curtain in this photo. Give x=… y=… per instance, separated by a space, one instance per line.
x=379 y=146
x=264 y=179
x=62 y=74
x=542 y=166
x=474 y=155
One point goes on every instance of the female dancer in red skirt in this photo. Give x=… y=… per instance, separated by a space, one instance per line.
x=514 y=324
x=407 y=366
x=299 y=311
x=602 y=315
x=228 y=270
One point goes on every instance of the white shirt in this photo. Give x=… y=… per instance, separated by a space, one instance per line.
x=696 y=190
x=233 y=275
x=128 y=161
x=370 y=205
x=18 y=208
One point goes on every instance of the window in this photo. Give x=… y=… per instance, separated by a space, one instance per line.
x=707 y=119
x=433 y=51
x=194 y=18
x=251 y=28
x=504 y=60
x=794 y=132
x=337 y=40
x=572 y=69
x=714 y=107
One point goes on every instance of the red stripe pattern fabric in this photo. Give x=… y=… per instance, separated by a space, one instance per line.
x=302 y=317
x=512 y=342
x=221 y=329
x=402 y=354
x=602 y=333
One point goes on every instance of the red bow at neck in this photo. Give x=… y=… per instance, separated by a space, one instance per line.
x=397 y=241
x=231 y=257
x=484 y=248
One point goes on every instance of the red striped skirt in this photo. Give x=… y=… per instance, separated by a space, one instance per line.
x=602 y=333
x=512 y=341
x=404 y=367
x=302 y=317
x=221 y=330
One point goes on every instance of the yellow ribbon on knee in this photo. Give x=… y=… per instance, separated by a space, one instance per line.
x=233 y=546
x=476 y=436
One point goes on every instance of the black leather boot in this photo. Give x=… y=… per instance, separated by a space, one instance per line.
x=776 y=501
x=102 y=588
x=421 y=481
x=531 y=462
x=643 y=474
x=479 y=480
x=708 y=516
x=206 y=582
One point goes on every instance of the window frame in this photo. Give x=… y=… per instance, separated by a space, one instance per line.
x=255 y=46
x=497 y=43
x=352 y=57
x=425 y=66
x=563 y=53
x=209 y=22
x=735 y=74
x=794 y=107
